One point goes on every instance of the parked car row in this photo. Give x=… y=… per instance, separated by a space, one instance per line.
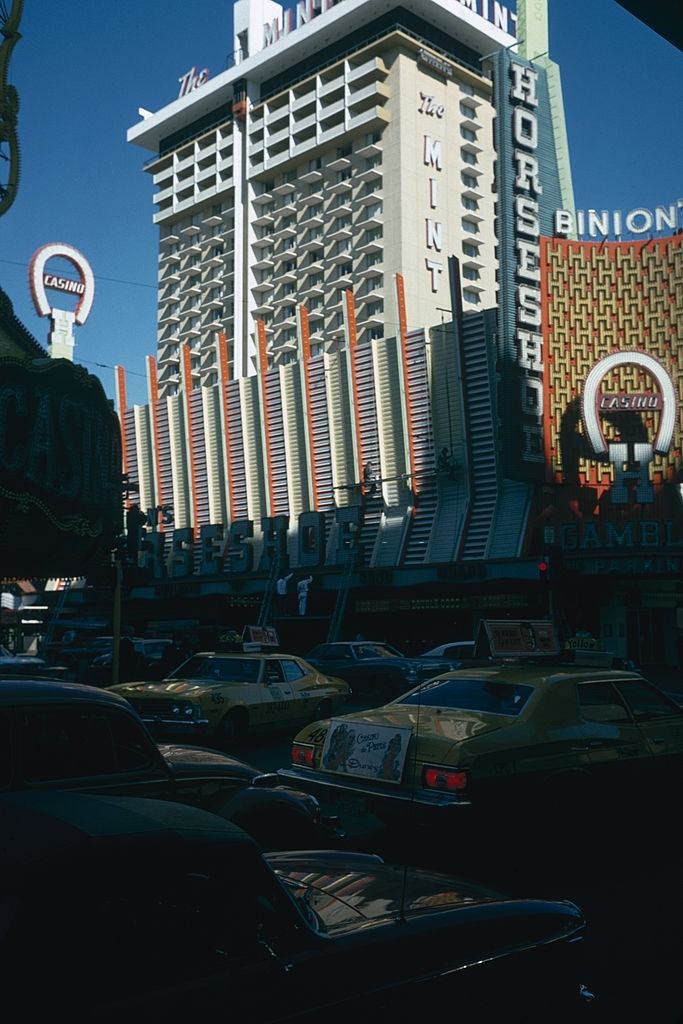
x=509 y=740
x=152 y=840
x=131 y=909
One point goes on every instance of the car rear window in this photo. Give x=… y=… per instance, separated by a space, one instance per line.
x=485 y=695
x=212 y=670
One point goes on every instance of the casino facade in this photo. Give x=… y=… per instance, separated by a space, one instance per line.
x=380 y=365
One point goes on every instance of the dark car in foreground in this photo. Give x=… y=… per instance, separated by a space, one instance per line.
x=375 y=669
x=135 y=910
x=71 y=737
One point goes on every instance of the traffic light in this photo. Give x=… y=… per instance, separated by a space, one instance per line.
x=543 y=567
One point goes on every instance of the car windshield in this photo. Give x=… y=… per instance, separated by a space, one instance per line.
x=484 y=695
x=376 y=651
x=205 y=669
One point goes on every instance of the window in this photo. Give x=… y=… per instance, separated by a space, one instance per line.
x=470 y=296
x=470 y=273
x=487 y=696
x=467 y=157
x=470 y=225
x=469 y=204
x=273 y=672
x=467 y=110
x=209 y=670
x=469 y=180
x=644 y=701
x=470 y=250
x=600 y=702
x=62 y=743
x=292 y=670
x=468 y=134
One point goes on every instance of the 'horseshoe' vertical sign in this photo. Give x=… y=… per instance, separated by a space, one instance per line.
x=61 y=338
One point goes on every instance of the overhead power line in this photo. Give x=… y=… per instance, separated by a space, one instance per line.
x=98 y=277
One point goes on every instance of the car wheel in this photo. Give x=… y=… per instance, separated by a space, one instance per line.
x=233 y=728
x=323 y=709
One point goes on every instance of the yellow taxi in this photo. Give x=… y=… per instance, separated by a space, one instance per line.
x=508 y=736
x=223 y=696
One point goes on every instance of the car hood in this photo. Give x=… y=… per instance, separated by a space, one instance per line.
x=188 y=759
x=172 y=688
x=349 y=891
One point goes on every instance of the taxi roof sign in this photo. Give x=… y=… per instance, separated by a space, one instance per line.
x=513 y=638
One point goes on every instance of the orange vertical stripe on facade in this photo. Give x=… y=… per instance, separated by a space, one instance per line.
x=224 y=367
x=153 y=385
x=353 y=341
x=187 y=389
x=306 y=355
x=403 y=338
x=263 y=366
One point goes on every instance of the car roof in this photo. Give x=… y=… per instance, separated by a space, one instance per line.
x=255 y=655
x=539 y=676
x=56 y=825
x=20 y=690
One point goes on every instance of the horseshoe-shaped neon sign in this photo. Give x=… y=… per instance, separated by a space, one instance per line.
x=590 y=396
x=37 y=282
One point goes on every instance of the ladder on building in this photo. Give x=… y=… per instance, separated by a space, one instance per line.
x=56 y=613
x=267 y=599
x=342 y=596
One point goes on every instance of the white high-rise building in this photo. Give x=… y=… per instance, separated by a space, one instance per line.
x=350 y=141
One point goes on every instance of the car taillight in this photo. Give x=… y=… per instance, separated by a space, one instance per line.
x=303 y=754
x=448 y=779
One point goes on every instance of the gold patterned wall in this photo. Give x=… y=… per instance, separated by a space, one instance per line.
x=599 y=298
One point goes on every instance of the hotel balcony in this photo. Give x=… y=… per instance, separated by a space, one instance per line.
x=262 y=198
x=311 y=200
x=189 y=230
x=169 y=318
x=285 y=188
x=312 y=245
x=264 y=242
x=373 y=68
x=340 y=187
x=341 y=233
x=373 y=245
x=344 y=209
x=370 y=174
x=264 y=220
x=264 y=309
x=311 y=177
x=361 y=99
x=371 y=197
x=213 y=220
x=276 y=114
x=284 y=277
x=262 y=287
x=312 y=291
x=265 y=263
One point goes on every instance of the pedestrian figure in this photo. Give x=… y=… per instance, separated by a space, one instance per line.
x=443 y=462
x=281 y=593
x=302 y=592
x=369 y=479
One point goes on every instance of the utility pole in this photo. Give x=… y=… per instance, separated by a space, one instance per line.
x=116 y=618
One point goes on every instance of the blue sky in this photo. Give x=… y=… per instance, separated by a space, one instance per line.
x=83 y=69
